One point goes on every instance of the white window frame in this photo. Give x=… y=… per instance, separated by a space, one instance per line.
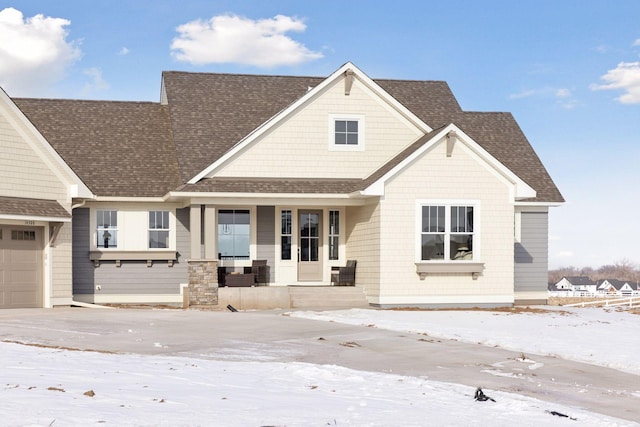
x=99 y=228
x=332 y=132
x=166 y=227
x=283 y=233
x=448 y=204
x=252 y=233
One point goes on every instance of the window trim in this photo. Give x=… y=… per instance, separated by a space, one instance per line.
x=332 y=132
x=333 y=236
x=448 y=266
x=97 y=229
x=252 y=226
x=290 y=211
x=150 y=230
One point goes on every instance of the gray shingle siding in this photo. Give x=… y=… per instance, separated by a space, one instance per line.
x=266 y=237
x=83 y=269
x=532 y=252
x=132 y=277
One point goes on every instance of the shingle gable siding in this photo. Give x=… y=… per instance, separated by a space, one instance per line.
x=23 y=173
x=301 y=145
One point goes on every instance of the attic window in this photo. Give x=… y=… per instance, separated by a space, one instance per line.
x=347 y=132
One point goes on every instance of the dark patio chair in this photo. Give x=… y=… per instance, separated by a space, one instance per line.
x=260 y=270
x=346 y=275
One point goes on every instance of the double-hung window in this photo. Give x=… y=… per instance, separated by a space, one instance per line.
x=234 y=234
x=447 y=232
x=107 y=228
x=159 y=229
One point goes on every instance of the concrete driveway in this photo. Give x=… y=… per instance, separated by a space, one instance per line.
x=272 y=336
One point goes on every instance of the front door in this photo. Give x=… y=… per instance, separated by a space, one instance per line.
x=309 y=246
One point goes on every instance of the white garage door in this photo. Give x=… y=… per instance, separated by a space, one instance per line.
x=20 y=266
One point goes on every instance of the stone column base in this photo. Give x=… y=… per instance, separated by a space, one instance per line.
x=203 y=282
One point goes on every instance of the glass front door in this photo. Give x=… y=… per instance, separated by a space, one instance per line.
x=309 y=246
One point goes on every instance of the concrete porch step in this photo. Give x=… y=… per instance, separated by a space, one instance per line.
x=327 y=297
x=273 y=297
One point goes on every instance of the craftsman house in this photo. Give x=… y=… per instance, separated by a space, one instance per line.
x=141 y=202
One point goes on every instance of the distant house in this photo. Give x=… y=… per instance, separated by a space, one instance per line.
x=134 y=202
x=616 y=286
x=576 y=284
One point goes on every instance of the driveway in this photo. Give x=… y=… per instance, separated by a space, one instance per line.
x=273 y=336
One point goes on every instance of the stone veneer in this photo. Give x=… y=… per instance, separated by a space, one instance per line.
x=203 y=282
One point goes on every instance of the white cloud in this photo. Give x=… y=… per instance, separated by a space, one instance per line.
x=626 y=76
x=124 y=51
x=563 y=93
x=636 y=43
x=523 y=94
x=34 y=52
x=97 y=81
x=235 y=39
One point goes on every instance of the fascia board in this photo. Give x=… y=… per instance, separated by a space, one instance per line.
x=522 y=189
x=76 y=187
x=274 y=198
x=128 y=199
x=282 y=115
x=542 y=204
x=35 y=218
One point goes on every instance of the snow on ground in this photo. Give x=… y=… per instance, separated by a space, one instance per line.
x=53 y=387
x=56 y=387
x=597 y=336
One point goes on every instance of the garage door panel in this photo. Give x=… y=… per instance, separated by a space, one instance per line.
x=24 y=258
x=20 y=267
x=24 y=299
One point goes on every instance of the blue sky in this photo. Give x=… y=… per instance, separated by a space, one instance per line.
x=568 y=70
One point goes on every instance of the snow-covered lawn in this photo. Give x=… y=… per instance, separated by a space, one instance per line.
x=54 y=387
x=597 y=336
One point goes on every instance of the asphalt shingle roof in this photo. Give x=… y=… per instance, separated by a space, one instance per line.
x=32 y=208
x=148 y=149
x=116 y=148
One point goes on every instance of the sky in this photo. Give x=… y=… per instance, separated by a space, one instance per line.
x=60 y=387
x=569 y=72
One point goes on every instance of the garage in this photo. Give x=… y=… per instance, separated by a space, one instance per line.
x=21 y=266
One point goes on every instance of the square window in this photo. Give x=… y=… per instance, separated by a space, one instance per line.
x=346 y=132
x=447 y=232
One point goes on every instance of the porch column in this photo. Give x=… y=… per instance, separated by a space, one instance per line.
x=195 y=231
x=210 y=244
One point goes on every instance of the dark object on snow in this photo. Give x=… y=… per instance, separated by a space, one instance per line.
x=481 y=397
x=231 y=308
x=560 y=414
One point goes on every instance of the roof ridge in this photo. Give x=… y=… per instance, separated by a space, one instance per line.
x=93 y=101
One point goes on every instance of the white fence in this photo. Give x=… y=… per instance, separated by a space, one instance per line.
x=630 y=302
x=587 y=294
